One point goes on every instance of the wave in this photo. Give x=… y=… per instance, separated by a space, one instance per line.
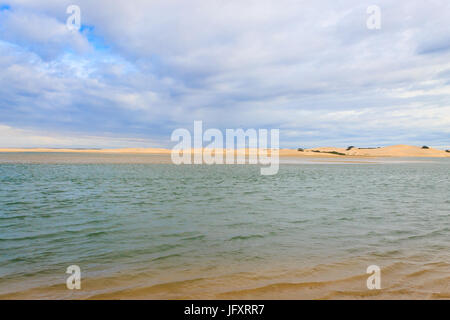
x=252 y=236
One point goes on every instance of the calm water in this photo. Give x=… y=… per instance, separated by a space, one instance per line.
x=166 y=231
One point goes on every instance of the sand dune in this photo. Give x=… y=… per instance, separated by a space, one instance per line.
x=400 y=151
x=390 y=151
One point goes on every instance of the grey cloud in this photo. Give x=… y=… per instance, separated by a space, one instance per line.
x=302 y=66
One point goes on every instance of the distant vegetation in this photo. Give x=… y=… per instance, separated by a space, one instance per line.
x=331 y=152
x=425 y=147
x=447 y=151
x=300 y=149
x=337 y=153
x=350 y=148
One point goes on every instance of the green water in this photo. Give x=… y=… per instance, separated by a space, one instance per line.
x=127 y=218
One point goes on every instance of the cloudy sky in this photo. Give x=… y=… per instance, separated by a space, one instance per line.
x=137 y=70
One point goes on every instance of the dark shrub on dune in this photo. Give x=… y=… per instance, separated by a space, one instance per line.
x=447 y=151
x=350 y=148
x=330 y=152
x=337 y=153
x=425 y=147
x=300 y=149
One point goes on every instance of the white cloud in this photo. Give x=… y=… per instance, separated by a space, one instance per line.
x=19 y=138
x=40 y=33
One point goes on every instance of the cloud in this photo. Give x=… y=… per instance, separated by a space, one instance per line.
x=23 y=138
x=40 y=33
x=143 y=68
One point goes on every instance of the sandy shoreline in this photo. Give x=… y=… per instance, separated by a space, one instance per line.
x=333 y=280
x=325 y=152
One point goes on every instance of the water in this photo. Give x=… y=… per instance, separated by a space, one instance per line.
x=158 y=230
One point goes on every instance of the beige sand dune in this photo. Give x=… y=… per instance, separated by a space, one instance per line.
x=399 y=151
x=390 y=151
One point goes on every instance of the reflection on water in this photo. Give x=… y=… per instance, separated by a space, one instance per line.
x=82 y=158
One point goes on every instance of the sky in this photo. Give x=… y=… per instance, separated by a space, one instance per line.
x=137 y=70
